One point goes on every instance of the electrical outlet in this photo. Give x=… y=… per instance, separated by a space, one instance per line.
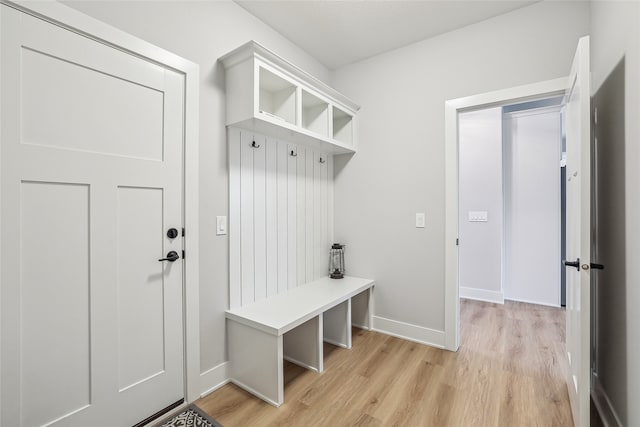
x=420 y=220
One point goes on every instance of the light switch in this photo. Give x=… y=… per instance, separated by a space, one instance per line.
x=420 y=220
x=478 y=216
x=221 y=225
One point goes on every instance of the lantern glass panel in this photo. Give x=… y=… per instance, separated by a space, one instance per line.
x=336 y=261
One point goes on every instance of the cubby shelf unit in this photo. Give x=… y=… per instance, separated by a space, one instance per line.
x=269 y=95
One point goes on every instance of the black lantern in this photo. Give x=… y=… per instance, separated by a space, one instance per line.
x=336 y=261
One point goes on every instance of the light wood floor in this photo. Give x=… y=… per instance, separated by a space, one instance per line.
x=507 y=372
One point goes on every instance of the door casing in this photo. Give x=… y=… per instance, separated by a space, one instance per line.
x=545 y=89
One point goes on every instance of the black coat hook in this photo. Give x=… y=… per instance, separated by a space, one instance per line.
x=293 y=153
x=254 y=145
x=322 y=160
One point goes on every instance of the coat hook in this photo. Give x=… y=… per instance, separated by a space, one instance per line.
x=254 y=145
x=293 y=154
x=322 y=160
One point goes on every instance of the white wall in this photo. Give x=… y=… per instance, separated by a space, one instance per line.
x=399 y=167
x=532 y=152
x=616 y=36
x=480 y=189
x=202 y=31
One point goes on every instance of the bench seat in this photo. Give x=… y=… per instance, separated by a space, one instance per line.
x=292 y=326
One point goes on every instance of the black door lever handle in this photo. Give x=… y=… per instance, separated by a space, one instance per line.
x=171 y=257
x=575 y=264
x=597 y=266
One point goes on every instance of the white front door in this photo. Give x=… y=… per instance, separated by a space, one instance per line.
x=90 y=182
x=578 y=127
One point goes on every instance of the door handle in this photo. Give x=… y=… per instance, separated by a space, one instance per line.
x=597 y=266
x=575 y=264
x=171 y=257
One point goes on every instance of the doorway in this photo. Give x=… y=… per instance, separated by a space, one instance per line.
x=517 y=95
x=510 y=160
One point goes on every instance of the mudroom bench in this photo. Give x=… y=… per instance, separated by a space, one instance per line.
x=293 y=326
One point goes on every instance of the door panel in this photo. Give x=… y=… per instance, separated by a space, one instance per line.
x=69 y=93
x=578 y=122
x=140 y=281
x=91 y=179
x=55 y=284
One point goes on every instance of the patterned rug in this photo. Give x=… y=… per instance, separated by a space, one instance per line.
x=192 y=416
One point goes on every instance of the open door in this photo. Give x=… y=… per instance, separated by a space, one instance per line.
x=578 y=263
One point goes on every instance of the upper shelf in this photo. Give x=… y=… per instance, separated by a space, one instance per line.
x=268 y=94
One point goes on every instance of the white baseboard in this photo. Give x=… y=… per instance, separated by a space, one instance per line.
x=366 y=328
x=299 y=363
x=603 y=404
x=410 y=332
x=482 y=295
x=214 y=378
x=546 y=304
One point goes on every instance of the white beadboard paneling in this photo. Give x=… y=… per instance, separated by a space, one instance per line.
x=303 y=199
x=282 y=161
x=235 y=273
x=271 y=223
x=246 y=219
x=308 y=217
x=318 y=244
x=281 y=215
x=322 y=259
x=329 y=212
x=292 y=205
x=259 y=217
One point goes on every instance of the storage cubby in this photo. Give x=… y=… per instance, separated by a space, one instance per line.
x=342 y=126
x=315 y=114
x=269 y=95
x=277 y=97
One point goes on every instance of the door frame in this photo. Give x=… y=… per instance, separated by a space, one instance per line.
x=452 y=107
x=70 y=19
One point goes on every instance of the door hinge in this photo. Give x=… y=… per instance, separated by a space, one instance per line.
x=182 y=231
x=457 y=242
x=183 y=254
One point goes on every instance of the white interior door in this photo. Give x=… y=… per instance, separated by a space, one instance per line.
x=91 y=179
x=578 y=123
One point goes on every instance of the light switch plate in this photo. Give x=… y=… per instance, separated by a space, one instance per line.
x=478 y=216
x=420 y=220
x=221 y=225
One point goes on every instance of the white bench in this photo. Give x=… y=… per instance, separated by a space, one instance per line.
x=293 y=326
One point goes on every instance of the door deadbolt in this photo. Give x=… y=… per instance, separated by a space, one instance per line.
x=172 y=233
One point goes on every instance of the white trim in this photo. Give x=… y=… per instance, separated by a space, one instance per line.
x=482 y=295
x=364 y=327
x=255 y=392
x=407 y=331
x=302 y=364
x=603 y=404
x=71 y=19
x=214 y=378
x=254 y=49
x=336 y=343
x=452 y=108
x=533 y=302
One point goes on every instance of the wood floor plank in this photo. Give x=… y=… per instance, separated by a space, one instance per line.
x=509 y=371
